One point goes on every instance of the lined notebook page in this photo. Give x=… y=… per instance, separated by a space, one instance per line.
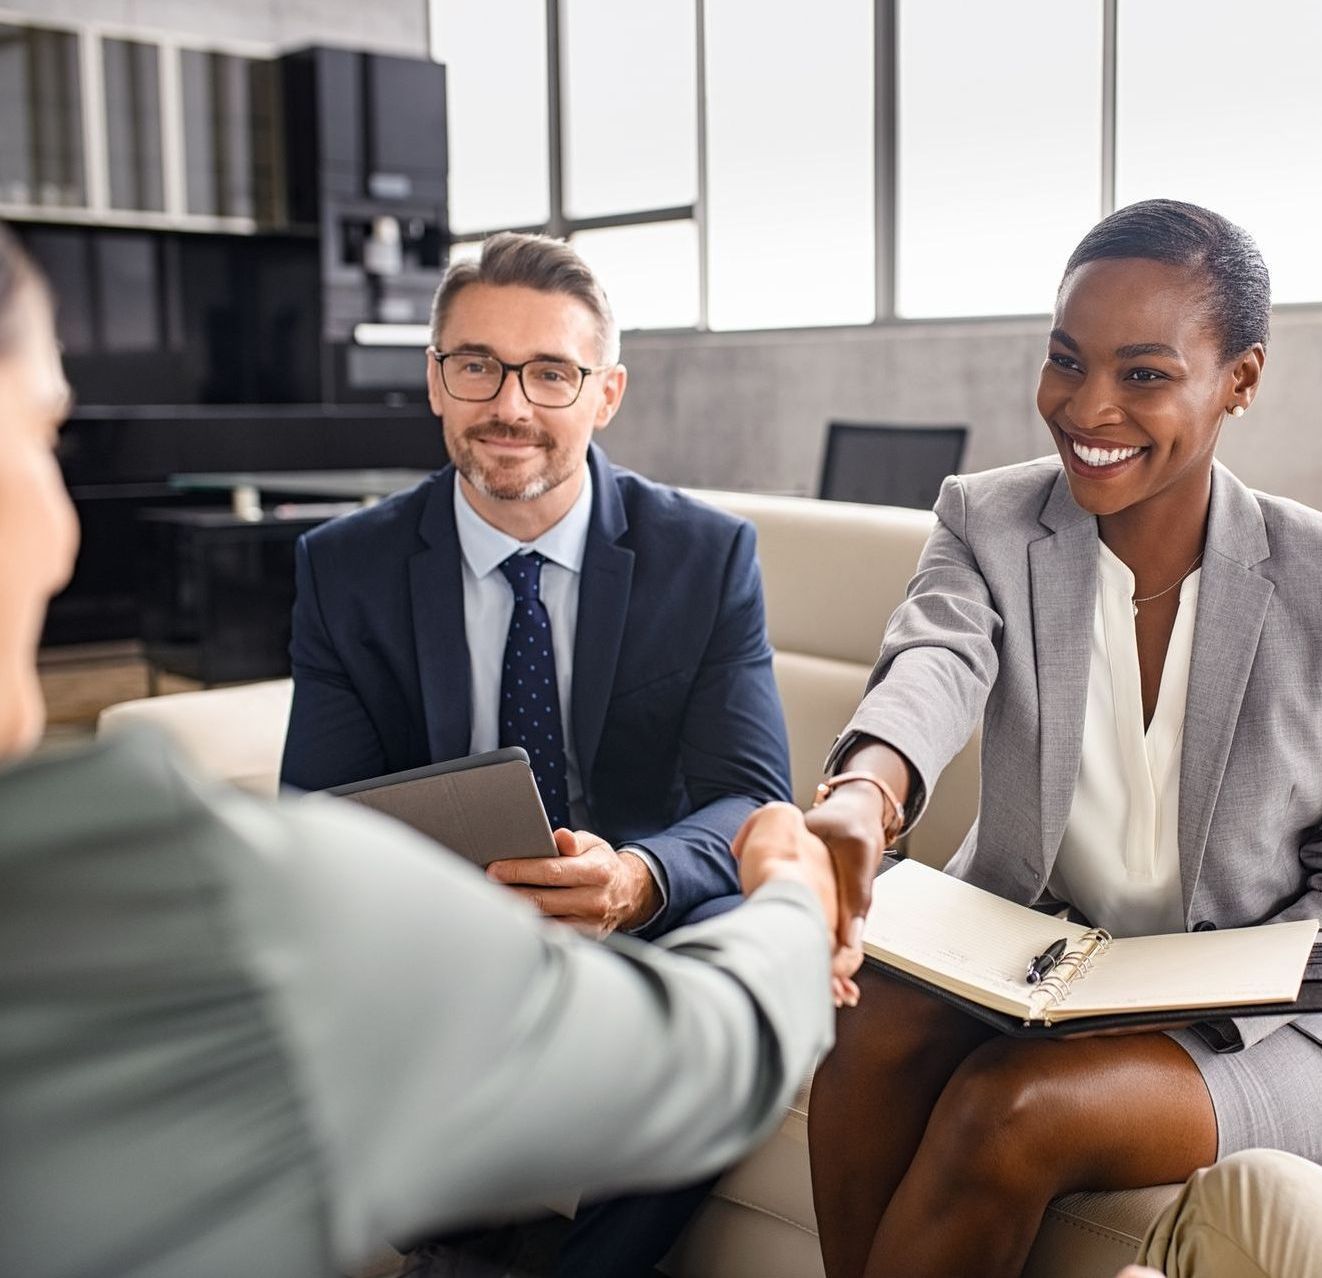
x=1195 y=969
x=959 y=937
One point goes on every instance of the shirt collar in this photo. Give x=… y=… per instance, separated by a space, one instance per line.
x=1113 y=571
x=485 y=547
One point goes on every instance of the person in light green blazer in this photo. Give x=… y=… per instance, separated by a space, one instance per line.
x=243 y=1037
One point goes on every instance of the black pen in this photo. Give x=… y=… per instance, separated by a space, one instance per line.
x=1044 y=962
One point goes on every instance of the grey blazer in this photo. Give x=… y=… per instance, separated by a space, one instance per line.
x=996 y=626
x=240 y=1037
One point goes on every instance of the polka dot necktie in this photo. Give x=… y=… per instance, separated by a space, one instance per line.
x=529 y=697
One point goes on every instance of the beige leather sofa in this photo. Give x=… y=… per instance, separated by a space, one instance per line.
x=833 y=572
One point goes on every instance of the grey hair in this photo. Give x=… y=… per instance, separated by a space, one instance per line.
x=531 y=261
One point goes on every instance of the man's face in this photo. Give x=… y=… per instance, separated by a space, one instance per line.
x=507 y=448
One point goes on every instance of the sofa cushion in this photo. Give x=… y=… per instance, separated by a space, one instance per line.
x=819 y=694
x=832 y=571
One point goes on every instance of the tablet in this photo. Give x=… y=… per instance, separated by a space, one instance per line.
x=485 y=807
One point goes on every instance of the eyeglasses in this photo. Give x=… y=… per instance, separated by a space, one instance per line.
x=476 y=378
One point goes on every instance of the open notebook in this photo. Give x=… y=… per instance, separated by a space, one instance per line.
x=973 y=947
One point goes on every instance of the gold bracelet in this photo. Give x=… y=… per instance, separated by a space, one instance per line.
x=825 y=787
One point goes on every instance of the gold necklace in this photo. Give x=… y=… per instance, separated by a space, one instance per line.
x=1135 y=600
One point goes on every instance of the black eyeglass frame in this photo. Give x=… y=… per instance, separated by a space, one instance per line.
x=517 y=369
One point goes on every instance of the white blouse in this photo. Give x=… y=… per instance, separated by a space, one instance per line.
x=1119 y=862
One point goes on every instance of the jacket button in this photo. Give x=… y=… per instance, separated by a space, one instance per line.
x=1204 y=925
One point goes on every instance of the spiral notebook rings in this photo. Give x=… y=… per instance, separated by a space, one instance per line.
x=1073 y=965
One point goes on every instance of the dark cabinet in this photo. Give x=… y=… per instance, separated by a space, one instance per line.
x=363 y=126
x=217 y=593
x=116 y=463
x=366 y=154
x=231 y=150
x=404 y=129
x=132 y=74
x=41 y=119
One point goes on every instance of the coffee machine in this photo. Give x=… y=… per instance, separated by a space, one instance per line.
x=366 y=164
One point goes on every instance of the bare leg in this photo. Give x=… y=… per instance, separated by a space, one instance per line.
x=1020 y=1122
x=870 y=1104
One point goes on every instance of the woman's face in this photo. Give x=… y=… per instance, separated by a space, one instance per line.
x=1134 y=386
x=38 y=531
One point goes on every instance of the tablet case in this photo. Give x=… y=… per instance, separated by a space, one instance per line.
x=485 y=807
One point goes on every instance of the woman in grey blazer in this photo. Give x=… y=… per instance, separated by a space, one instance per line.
x=1137 y=633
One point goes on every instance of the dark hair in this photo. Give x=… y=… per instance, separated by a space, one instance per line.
x=16 y=271
x=1238 y=285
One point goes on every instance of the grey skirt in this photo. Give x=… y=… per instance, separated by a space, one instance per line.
x=1268 y=1095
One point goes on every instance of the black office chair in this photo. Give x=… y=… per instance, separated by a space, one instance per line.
x=887 y=465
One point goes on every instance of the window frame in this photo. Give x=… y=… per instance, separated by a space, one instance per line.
x=560 y=224
x=885 y=170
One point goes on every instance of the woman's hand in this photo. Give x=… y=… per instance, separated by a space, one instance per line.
x=853 y=823
x=850 y=825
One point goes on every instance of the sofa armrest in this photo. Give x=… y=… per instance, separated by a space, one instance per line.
x=237 y=733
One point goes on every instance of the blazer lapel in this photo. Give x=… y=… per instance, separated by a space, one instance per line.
x=1232 y=606
x=437 y=585
x=603 y=607
x=1063 y=571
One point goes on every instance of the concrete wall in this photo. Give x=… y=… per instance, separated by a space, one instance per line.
x=386 y=26
x=748 y=410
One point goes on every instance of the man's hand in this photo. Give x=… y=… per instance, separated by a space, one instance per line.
x=775 y=843
x=589 y=884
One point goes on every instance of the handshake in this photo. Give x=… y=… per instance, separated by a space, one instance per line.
x=835 y=850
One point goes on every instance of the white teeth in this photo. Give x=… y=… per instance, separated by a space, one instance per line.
x=1102 y=456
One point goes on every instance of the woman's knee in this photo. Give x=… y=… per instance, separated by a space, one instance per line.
x=997 y=1120
x=1098 y=1113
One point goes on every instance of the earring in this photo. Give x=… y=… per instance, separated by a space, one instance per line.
x=1237 y=411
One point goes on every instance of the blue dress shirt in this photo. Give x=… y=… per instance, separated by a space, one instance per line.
x=488 y=607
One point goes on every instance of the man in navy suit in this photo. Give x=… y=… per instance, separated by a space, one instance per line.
x=411 y=617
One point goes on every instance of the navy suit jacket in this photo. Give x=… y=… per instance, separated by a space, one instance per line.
x=675 y=718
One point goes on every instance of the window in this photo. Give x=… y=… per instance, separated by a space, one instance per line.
x=465 y=251
x=1232 y=127
x=649 y=272
x=999 y=136
x=495 y=57
x=790 y=210
x=717 y=159
x=630 y=135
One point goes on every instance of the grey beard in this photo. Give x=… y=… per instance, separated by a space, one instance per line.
x=536 y=488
